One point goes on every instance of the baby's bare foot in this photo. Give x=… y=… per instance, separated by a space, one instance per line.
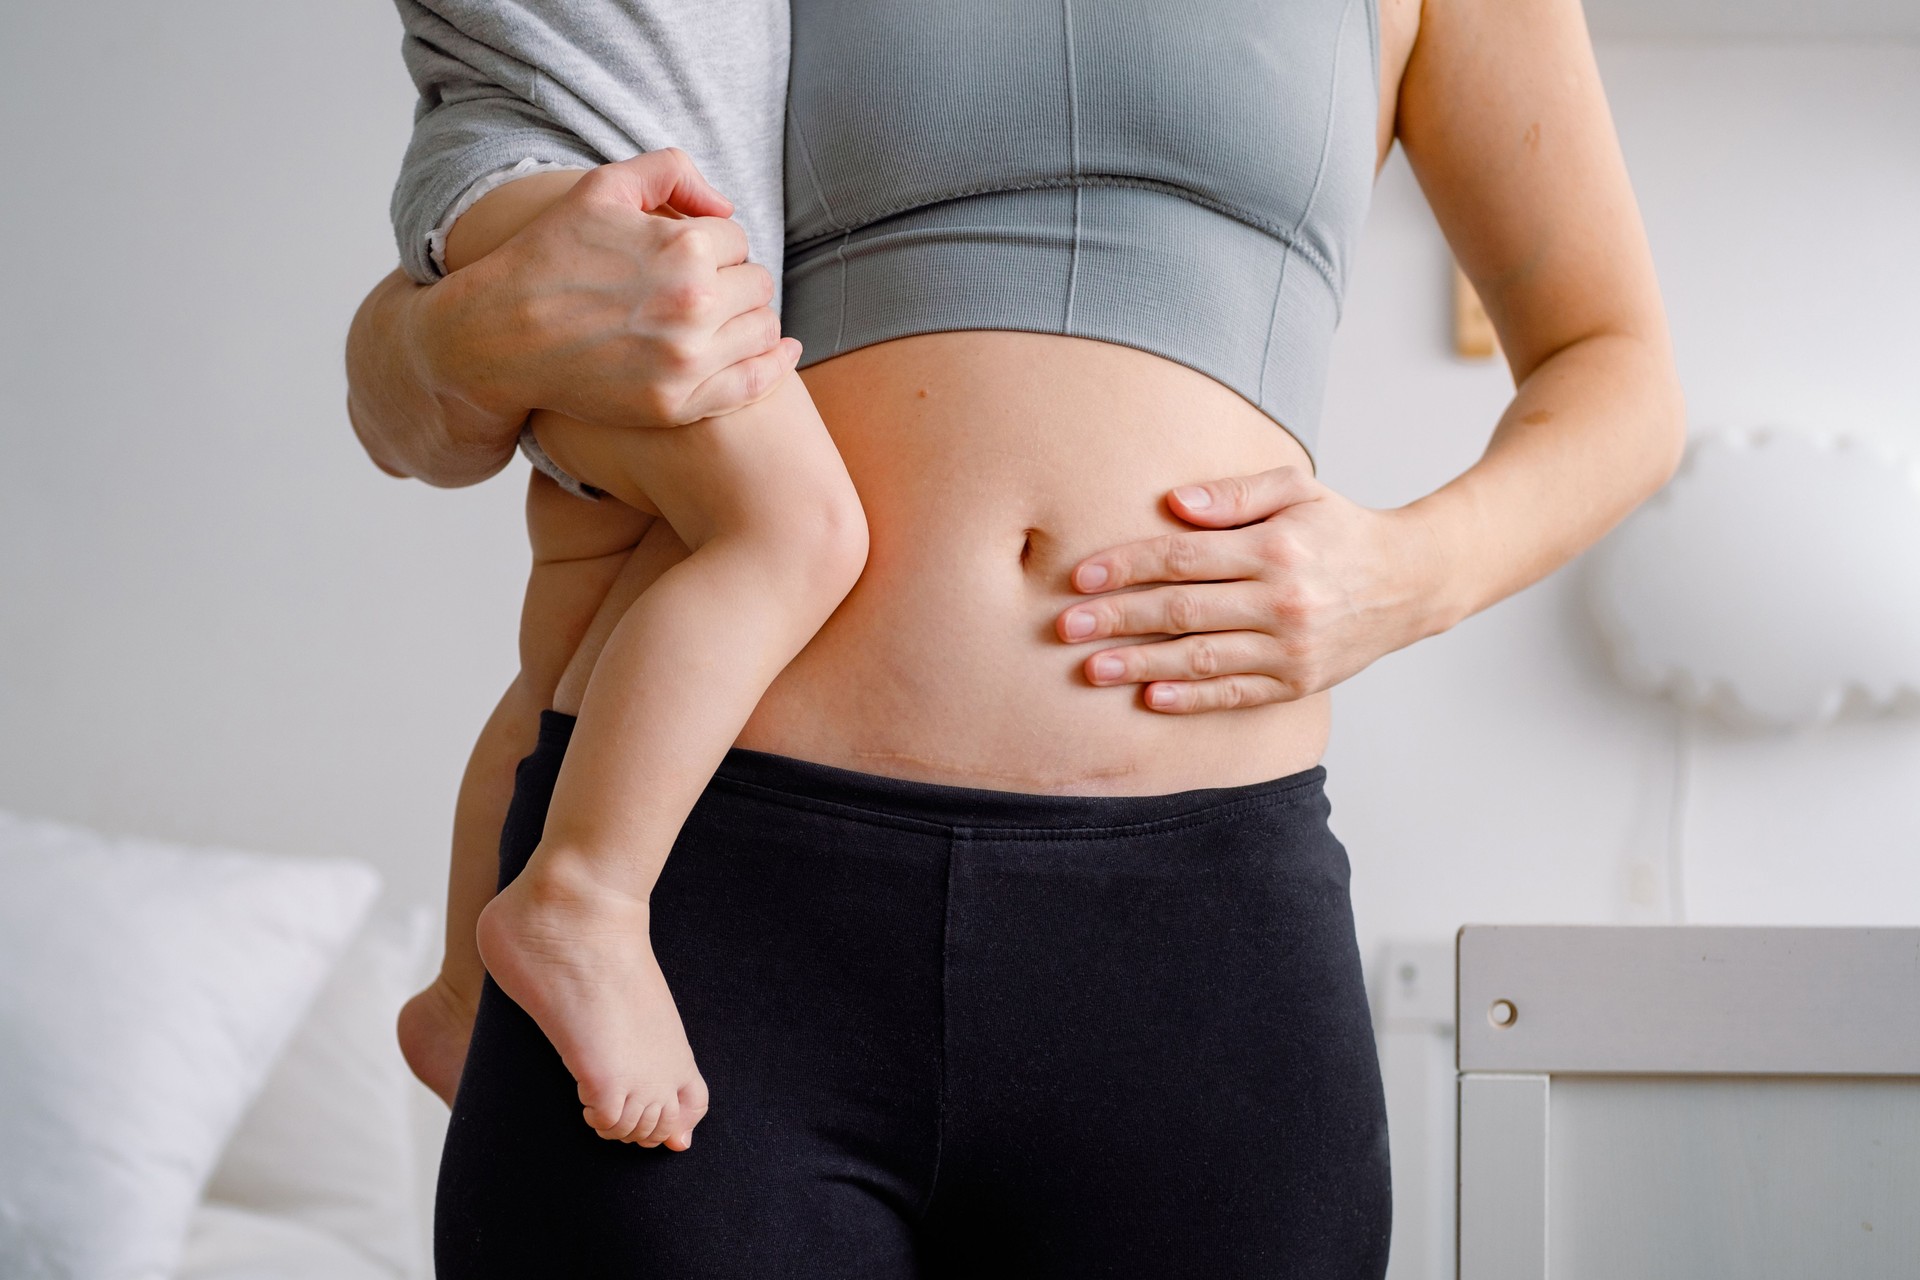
x=434 y=1028
x=579 y=960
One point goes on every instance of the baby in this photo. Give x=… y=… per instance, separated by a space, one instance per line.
x=758 y=502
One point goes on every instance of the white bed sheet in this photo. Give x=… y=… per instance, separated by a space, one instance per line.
x=228 y=1243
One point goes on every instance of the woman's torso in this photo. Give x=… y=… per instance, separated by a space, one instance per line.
x=990 y=462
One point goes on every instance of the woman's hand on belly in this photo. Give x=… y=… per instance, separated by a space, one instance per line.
x=1286 y=588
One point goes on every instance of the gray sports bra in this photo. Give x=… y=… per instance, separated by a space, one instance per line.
x=1186 y=178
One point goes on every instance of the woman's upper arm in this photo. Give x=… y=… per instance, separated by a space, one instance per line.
x=1506 y=127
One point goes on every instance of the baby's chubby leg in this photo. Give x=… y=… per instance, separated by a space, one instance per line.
x=586 y=570
x=777 y=539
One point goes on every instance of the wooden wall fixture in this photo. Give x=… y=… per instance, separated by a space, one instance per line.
x=1473 y=336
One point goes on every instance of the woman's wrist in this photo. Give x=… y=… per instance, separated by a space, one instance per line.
x=406 y=427
x=477 y=418
x=1437 y=597
x=409 y=406
x=1284 y=588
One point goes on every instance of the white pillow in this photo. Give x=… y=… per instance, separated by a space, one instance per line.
x=145 y=989
x=328 y=1143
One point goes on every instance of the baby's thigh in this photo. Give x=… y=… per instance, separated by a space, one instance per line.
x=729 y=472
x=584 y=554
x=614 y=459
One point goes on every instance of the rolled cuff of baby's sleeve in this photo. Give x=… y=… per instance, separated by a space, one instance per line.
x=527 y=166
x=452 y=149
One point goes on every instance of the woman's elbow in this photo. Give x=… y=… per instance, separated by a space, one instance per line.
x=1667 y=444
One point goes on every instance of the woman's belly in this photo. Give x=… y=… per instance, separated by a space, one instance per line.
x=990 y=463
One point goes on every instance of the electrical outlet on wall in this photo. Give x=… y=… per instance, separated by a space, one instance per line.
x=1473 y=335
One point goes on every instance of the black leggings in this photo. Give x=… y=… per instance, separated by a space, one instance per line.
x=956 y=1032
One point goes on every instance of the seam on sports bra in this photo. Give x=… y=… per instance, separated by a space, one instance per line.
x=1319 y=177
x=1073 y=134
x=1326 y=137
x=826 y=206
x=840 y=330
x=813 y=176
x=1313 y=256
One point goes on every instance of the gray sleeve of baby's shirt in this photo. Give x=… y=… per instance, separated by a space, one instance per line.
x=478 y=112
x=584 y=84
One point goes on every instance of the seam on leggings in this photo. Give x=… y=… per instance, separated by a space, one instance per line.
x=834 y=808
x=1159 y=826
x=940 y=1094
x=1293 y=795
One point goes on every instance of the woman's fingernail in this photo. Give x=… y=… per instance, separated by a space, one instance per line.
x=1159 y=696
x=1107 y=667
x=1079 y=623
x=1193 y=497
x=1092 y=577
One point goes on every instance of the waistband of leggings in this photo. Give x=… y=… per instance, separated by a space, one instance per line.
x=811 y=785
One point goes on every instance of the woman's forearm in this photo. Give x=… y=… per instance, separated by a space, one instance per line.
x=566 y=292
x=408 y=422
x=1592 y=431
x=1287 y=587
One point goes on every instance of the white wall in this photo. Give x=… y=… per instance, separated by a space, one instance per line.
x=1498 y=772
x=218 y=622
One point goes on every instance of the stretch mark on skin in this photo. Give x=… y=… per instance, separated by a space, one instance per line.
x=1026 y=780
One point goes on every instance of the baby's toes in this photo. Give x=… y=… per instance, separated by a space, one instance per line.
x=693 y=1103
x=643 y=1129
x=667 y=1125
x=606 y=1109
x=632 y=1117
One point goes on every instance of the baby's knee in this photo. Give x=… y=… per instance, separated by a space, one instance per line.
x=816 y=535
